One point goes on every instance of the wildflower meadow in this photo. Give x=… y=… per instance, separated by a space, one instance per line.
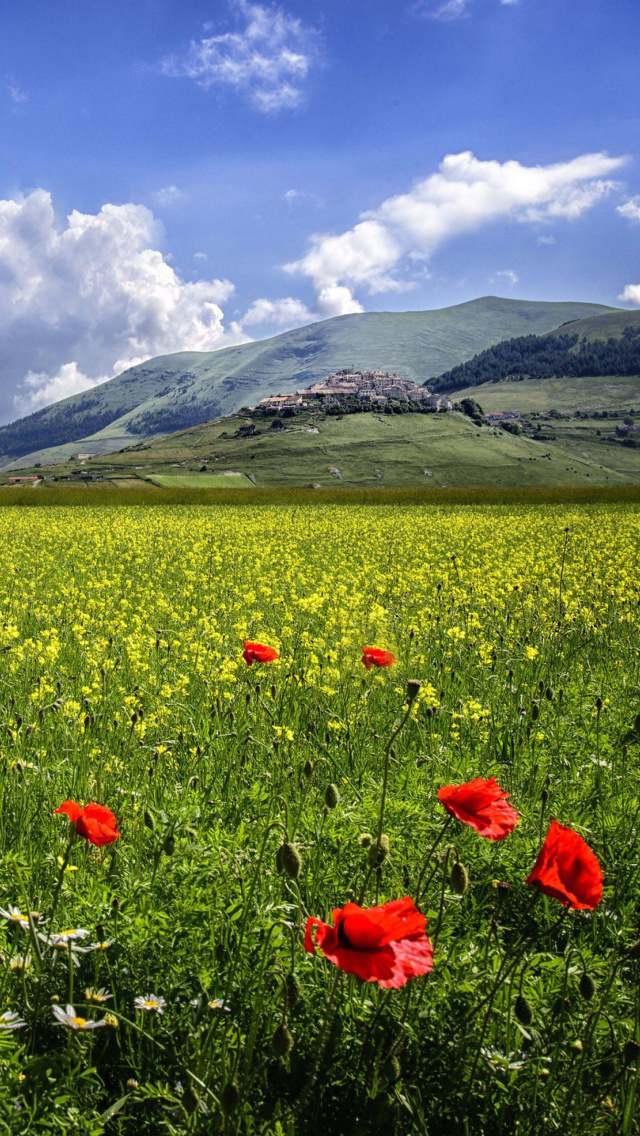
x=321 y=818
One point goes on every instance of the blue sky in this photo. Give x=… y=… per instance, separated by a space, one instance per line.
x=185 y=175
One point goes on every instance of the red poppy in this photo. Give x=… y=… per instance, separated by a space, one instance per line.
x=96 y=823
x=482 y=805
x=386 y=944
x=567 y=870
x=258 y=653
x=377 y=657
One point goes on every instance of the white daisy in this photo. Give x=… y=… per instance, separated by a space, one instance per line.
x=151 y=1002
x=15 y=916
x=71 y=1020
x=10 y=1021
x=62 y=938
x=97 y=995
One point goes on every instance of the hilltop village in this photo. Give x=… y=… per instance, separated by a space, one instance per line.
x=372 y=388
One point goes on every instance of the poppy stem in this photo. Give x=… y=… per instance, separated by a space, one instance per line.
x=385 y=779
x=312 y=1079
x=427 y=859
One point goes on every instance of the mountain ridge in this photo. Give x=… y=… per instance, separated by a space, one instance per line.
x=173 y=392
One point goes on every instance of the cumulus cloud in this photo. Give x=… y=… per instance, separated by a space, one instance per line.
x=268 y=58
x=630 y=209
x=283 y=314
x=80 y=302
x=631 y=295
x=382 y=251
x=547 y=240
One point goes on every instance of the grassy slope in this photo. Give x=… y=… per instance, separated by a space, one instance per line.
x=398 y=447
x=419 y=345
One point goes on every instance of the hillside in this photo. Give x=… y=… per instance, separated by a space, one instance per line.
x=173 y=392
x=364 y=449
x=606 y=345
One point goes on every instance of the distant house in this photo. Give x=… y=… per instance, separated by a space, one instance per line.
x=439 y=402
x=30 y=480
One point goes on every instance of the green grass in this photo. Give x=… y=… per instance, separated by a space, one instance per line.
x=123 y=683
x=375 y=450
x=200 y=480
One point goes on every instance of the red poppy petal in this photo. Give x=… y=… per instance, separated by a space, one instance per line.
x=70 y=809
x=100 y=813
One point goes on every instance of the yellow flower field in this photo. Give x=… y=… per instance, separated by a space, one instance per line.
x=123 y=682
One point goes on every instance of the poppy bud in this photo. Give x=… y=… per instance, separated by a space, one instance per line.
x=522 y=1010
x=331 y=796
x=549 y=694
x=273 y=691
x=230 y=1098
x=413 y=689
x=586 y=986
x=608 y=1067
x=308 y=768
x=598 y=704
x=378 y=851
x=169 y=845
x=190 y=1100
x=100 y=932
x=631 y=1052
x=282 y=1041
x=293 y=987
x=289 y=860
x=535 y=711
x=149 y=821
x=115 y=903
x=560 y=694
x=559 y=1006
x=392 y=1070
x=459 y=878
x=544 y=796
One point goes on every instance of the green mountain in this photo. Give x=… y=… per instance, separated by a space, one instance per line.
x=173 y=392
x=607 y=345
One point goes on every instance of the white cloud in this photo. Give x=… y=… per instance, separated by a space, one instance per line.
x=200 y=256
x=549 y=240
x=508 y=275
x=449 y=9
x=630 y=209
x=444 y=9
x=268 y=58
x=82 y=301
x=16 y=95
x=168 y=195
x=284 y=313
x=631 y=295
x=464 y=195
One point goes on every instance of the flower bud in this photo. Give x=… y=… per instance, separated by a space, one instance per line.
x=282 y=1040
x=459 y=878
x=522 y=1010
x=631 y=1052
x=413 y=689
x=230 y=1097
x=392 y=1070
x=289 y=860
x=586 y=986
x=293 y=987
x=331 y=796
x=378 y=851
x=308 y=768
x=169 y=845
